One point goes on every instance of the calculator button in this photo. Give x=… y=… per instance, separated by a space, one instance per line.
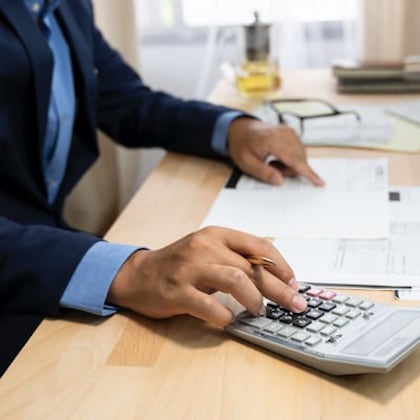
x=304 y=288
x=314 y=314
x=365 y=305
x=315 y=327
x=354 y=313
x=314 y=292
x=259 y=321
x=287 y=332
x=327 y=294
x=340 y=298
x=314 y=302
x=328 y=318
x=341 y=310
x=353 y=301
x=301 y=336
x=328 y=330
x=301 y=322
x=286 y=318
x=327 y=306
x=274 y=313
x=340 y=322
x=313 y=340
x=274 y=327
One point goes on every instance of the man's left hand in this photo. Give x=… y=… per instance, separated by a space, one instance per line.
x=251 y=142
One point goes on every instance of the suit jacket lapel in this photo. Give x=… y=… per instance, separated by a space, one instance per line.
x=39 y=53
x=82 y=56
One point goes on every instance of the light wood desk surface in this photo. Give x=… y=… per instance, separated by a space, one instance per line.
x=129 y=367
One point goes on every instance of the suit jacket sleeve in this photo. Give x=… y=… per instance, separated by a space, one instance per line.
x=33 y=272
x=134 y=115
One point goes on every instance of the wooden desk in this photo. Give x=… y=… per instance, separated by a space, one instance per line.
x=129 y=367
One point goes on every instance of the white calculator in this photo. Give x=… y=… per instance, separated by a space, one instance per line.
x=337 y=333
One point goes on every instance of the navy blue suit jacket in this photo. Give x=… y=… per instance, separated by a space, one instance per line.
x=38 y=253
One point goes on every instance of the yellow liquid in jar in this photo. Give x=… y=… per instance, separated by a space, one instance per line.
x=257 y=78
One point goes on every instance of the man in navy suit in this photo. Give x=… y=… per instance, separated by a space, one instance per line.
x=59 y=82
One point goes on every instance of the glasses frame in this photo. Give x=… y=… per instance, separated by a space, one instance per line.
x=301 y=118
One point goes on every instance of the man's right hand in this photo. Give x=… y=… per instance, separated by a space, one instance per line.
x=181 y=278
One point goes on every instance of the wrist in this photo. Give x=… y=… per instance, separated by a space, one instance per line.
x=121 y=290
x=237 y=130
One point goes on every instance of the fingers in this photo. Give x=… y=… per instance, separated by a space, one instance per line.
x=208 y=308
x=243 y=243
x=236 y=282
x=275 y=282
x=247 y=290
x=257 y=140
x=274 y=173
x=235 y=275
x=291 y=153
x=303 y=168
x=277 y=291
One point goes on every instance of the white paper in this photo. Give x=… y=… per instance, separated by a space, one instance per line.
x=408 y=110
x=388 y=263
x=408 y=294
x=316 y=213
x=391 y=262
x=352 y=205
x=369 y=174
x=374 y=127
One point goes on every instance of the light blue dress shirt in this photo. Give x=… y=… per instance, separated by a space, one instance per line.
x=89 y=285
x=218 y=141
x=62 y=100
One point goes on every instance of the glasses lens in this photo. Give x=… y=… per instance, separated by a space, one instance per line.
x=294 y=122
x=302 y=108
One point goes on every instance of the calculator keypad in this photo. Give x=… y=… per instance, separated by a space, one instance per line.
x=325 y=319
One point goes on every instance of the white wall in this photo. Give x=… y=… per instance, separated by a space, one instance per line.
x=173 y=68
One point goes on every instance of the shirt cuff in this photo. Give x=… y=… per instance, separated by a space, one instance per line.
x=219 y=137
x=88 y=287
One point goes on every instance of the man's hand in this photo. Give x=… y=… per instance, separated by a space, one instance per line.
x=180 y=278
x=251 y=141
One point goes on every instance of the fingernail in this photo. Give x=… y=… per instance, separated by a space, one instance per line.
x=275 y=179
x=320 y=182
x=262 y=311
x=293 y=284
x=298 y=303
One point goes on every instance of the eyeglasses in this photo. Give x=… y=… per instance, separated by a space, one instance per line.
x=306 y=109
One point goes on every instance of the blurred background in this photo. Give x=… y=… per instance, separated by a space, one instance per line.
x=199 y=36
x=180 y=46
x=182 y=43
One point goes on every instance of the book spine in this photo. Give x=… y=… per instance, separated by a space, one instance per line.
x=378 y=87
x=368 y=74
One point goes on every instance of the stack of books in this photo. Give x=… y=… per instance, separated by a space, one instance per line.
x=378 y=76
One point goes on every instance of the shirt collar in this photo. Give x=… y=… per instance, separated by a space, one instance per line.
x=41 y=8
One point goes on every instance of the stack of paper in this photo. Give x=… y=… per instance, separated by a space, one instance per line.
x=356 y=231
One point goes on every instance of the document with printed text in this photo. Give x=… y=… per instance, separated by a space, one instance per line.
x=353 y=204
x=392 y=262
